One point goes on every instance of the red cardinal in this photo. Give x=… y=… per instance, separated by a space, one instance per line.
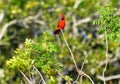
x=61 y=24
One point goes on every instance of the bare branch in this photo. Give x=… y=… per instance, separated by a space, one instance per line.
x=117 y=12
x=2 y=14
x=81 y=21
x=39 y=74
x=5 y=27
x=85 y=20
x=22 y=21
x=61 y=76
x=77 y=69
x=25 y=77
x=77 y=2
x=86 y=55
x=70 y=52
x=75 y=30
x=106 y=54
x=109 y=78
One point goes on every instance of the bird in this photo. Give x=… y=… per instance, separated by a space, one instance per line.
x=61 y=24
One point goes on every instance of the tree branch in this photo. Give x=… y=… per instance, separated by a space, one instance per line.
x=25 y=77
x=79 y=72
x=70 y=52
x=5 y=27
x=77 y=2
x=109 y=78
x=85 y=20
x=22 y=21
x=81 y=21
x=61 y=76
x=86 y=55
x=106 y=54
x=39 y=74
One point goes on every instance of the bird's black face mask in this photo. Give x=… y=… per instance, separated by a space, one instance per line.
x=62 y=18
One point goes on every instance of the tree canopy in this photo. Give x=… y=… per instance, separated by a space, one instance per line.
x=31 y=54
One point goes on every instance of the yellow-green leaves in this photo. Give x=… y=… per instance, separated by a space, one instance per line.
x=40 y=53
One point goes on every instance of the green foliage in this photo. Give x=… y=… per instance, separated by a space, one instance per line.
x=67 y=79
x=44 y=55
x=22 y=58
x=19 y=9
x=40 y=53
x=52 y=80
x=110 y=21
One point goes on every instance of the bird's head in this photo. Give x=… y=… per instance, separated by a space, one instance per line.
x=62 y=17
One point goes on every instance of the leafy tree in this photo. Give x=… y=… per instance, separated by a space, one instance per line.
x=39 y=53
x=21 y=19
x=110 y=21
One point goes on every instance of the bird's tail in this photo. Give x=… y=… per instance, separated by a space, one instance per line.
x=57 y=31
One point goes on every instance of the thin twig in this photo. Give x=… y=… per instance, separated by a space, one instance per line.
x=59 y=73
x=70 y=52
x=39 y=74
x=61 y=76
x=106 y=54
x=89 y=78
x=40 y=81
x=82 y=66
x=29 y=74
x=25 y=77
x=81 y=69
x=74 y=59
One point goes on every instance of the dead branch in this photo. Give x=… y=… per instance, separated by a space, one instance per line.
x=85 y=20
x=77 y=69
x=77 y=2
x=25 y=77
x=5 y=27
x=106 y=55
x=75 y=30
x=80 y=75
x=81 y=21
x=22 y=21
x=39 y=74
x=109 y=77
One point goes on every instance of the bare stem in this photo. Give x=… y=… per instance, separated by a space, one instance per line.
x=25 y=77
x=74 y=59
x=89 y=78
x=70 y=52
x=80 y=75
x=106 y=54
x=113 y=77
x=29 y=74
x=61 y=76
x=39 y=74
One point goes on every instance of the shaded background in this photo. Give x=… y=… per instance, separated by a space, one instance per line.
x=21 y=19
